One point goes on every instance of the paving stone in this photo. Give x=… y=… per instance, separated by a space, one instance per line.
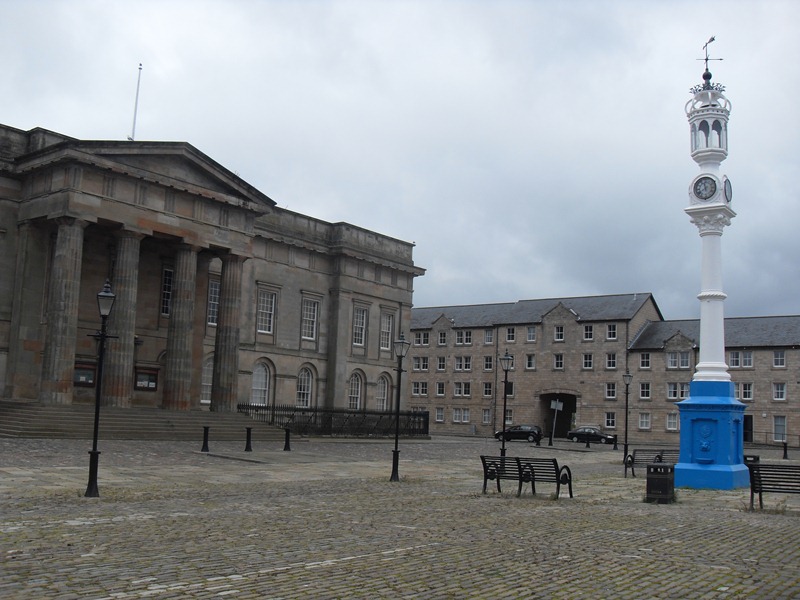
x=324 y=521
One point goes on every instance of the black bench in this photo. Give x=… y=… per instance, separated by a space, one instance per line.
x=525 y=470
x=646 y=456
x=547 y=470
x=772 y=478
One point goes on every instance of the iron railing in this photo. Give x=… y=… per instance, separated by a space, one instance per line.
x=337 y=421
x=770 y=438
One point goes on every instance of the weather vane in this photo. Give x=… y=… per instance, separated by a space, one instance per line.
x=707 y=85
x=705 y=49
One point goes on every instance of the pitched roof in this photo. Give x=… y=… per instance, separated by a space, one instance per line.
x=620 y=307
x=740 y=332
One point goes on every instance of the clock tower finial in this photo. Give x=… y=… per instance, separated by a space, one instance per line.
x=708 y=113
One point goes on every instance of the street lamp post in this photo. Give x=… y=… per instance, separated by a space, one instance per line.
x=505 y=364
x=401 y=347
x=627 y=378
x=105 y=302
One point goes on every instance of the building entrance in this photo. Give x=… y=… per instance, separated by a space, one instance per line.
x=562 y=420
x=748 y=428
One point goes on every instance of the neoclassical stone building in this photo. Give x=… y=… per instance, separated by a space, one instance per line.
x=576 y=351
x=222 y=297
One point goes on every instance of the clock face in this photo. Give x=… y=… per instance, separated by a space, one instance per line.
x=728 y=190
x=705 y=187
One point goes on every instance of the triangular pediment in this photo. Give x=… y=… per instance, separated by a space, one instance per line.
x=443 y=322
x=177 y=165
x=679 y=341
x=180 y=165
x=560 y=312
x=179 y=168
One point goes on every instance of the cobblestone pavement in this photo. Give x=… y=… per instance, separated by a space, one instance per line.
x=323 y=521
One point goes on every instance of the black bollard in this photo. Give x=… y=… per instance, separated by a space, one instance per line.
x=615 y=442
x=587 y=442
x=248 y=447
x=286 y=446
x=205 y=439
x=785 y=451
x=539 y=441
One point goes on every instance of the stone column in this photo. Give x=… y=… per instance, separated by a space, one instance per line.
x=119 y=368
x=21 y=359
x=63 y=297
x=178 y=375
x=224 y=389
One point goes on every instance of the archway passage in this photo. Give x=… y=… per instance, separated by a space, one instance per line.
x=565 y=416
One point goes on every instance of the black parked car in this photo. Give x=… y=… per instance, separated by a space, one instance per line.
x=593 y=434
x=532 y=433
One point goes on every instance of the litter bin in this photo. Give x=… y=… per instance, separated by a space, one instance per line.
x=660 y=483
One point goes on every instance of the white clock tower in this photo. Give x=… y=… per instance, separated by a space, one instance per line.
x=712 y=443
x=710 y=210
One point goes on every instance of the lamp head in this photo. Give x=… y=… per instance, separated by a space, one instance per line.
x=505 y=361
x=627 y=378
x=401 y=347
x=105 y=299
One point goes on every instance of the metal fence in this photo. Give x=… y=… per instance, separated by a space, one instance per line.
x=770 y=438
x=338 y=422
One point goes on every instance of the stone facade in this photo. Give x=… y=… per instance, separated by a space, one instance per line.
x=763 y=359
x=221 y=296
x=576 y=350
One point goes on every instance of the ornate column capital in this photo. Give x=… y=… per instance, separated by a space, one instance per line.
x=710 y=223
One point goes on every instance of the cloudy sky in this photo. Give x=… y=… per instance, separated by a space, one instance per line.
x=530 y=149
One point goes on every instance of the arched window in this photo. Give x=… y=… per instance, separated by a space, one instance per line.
x=702 y=138
x=207 y=380
x=354 y=392
x=261 y=378
x=304 y=381
x=382 y=395
x=716 y=135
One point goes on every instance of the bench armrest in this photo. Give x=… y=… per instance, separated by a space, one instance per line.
x=565 y=477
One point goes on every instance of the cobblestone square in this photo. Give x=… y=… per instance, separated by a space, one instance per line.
x=323 y=521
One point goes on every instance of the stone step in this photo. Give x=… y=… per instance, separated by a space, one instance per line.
x=20 y=419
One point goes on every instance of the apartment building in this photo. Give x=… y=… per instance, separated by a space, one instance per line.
x=573 y=353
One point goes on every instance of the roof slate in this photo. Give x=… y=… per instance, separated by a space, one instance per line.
x=740 y=332
x=620 y=307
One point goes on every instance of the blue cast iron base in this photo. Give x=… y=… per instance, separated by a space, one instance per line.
x=712 y=439
x=721 y=477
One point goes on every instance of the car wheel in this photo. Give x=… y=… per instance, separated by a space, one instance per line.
x=603 y=440
x=574 y=438
x=531 y=438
